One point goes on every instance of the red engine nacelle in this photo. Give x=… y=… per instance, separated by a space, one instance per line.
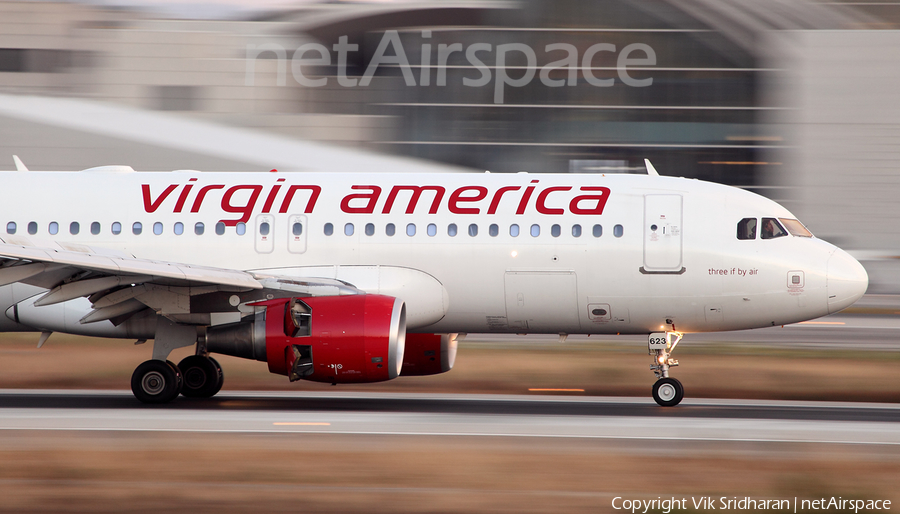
x=336 y=339
x=428 y=354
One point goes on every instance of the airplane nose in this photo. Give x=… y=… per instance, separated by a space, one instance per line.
x=847 y=281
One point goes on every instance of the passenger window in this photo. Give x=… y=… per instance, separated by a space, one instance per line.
x=157 y=228
x=473 y=230
x=771 y=229
x=411 y=229
x=576 y=230
x=329 y=229
x=535 y=230
x=220 y=228
x=370 y=229
x=555 y=231
x=514 y=230
x=179 y=228
x=137 y=228
x=11 y=227
x=74 y=228
x=32 y=227
x=348 y=229
x=432 y=229
x=494 y=230
x=746 y=229
x=116 y=228
x=95 y=228
x=54 y=228
x=296 y=229
x=241 y=228
x=597 y=231
x=795 y=227
x=618 y=230
x=452 y=230
x=199 y=228
x=264 y=228
x=390 y=229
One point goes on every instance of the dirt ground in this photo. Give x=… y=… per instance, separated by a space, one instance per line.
x=221 y=473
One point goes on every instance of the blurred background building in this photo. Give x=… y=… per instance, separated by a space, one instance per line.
x=797 y=100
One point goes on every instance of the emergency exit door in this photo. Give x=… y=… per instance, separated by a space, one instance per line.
x=265 y=242
x=296 y=233
x=662 y=234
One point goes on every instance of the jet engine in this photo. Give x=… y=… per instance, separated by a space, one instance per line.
x=428 y=354
x=336 y=339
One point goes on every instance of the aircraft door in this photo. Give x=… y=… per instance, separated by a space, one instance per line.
x=265 y=241
x=296 y=232
x=662 y=234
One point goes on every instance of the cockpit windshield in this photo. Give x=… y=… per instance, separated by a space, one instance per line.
x=771 y=229
x=795 y=227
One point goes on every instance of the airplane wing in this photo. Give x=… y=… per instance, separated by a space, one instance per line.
x=119 y=284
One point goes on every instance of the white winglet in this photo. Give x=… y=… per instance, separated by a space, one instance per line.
x=20 y=166
x=650 y=169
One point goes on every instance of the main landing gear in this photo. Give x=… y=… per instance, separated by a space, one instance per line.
x=161 y=381
x=667 y=391
x=202 y=376
x=156 y=381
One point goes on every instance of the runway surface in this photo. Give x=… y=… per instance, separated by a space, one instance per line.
x=457 y=415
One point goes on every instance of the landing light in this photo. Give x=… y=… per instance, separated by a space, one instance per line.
x=514 y=253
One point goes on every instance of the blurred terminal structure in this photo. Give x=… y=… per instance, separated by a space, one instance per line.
x=798 y=100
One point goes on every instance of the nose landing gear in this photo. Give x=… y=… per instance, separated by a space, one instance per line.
x=667 y=391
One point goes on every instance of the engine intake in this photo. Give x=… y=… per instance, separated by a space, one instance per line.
x=336 y=339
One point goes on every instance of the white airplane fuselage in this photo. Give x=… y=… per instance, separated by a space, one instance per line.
x=666 y=255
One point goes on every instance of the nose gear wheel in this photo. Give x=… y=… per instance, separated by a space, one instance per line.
x=667 y=391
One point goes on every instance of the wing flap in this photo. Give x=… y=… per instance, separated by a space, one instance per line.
x=116 y=265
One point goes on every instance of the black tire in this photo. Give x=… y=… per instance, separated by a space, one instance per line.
x=221 y=375
x=668 y=392
x=156 y=382
x=178 y=372
x=202 y=376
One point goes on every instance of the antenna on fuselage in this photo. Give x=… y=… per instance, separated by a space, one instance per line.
x=650 y=169
x=20 y=166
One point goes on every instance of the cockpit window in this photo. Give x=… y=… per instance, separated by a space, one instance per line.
x=795 y=227
x=771 y=229
x=746 y=228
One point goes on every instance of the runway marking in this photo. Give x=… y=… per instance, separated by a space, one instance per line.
x=299 y=423
x=566 y=390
